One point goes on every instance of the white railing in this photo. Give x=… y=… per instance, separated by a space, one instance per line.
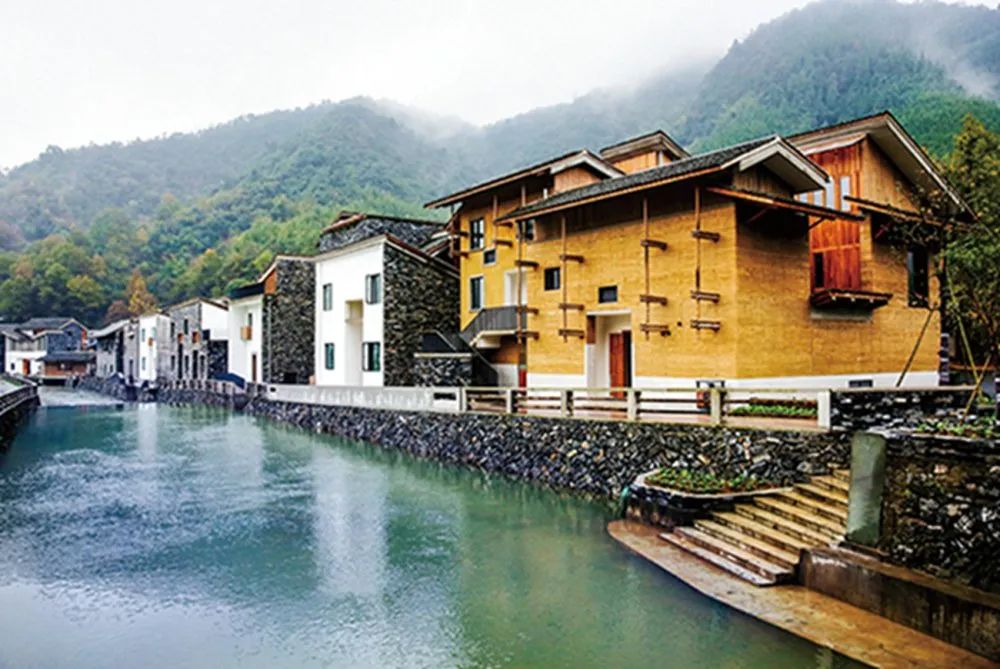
x=396 y=398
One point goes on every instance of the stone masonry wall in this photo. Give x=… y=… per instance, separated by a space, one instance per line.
x=595 y=457
x=941 y=507
x=859 y=410
x=288 y=324
x=218 y=360
x=443 y=370
x=420 y=296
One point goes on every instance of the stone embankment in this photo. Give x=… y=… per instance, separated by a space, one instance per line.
x=14 y=406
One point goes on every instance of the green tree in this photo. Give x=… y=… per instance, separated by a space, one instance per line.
x=87 y=298
x=140 y=300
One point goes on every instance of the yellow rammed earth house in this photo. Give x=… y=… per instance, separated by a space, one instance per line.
x=766 y=263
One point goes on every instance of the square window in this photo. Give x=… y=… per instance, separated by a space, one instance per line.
x=476 y=293
x=327 y=296
x=373 y=289
x=607 y=294
x=527 y=230
x=187 y=327
x=553 y=278
x=477 y=233
x=489 y=256
x=328 y=355
x=371 y=356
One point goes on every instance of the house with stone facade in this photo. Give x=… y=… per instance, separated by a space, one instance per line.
x=769 y=262
x=199 y=337
x=27 y=345
x=271 y=324
x=116 y=346
x=381 y=282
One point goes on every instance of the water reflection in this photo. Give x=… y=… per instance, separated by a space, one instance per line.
x=193 y=537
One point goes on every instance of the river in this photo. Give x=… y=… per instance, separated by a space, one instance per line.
x=159 y=536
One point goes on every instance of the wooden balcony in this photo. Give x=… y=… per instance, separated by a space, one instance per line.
x=845 y=298
x=246 y=332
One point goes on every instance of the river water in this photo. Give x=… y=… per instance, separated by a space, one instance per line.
x=157 y=536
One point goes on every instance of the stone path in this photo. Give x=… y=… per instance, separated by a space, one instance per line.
x=822 y=620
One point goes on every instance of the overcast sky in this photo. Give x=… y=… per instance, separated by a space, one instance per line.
x=74 y=72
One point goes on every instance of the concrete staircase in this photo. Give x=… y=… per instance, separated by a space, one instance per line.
x=761 y=541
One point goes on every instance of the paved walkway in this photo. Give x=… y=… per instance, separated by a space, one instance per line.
x=825 y=621
x=60 y=396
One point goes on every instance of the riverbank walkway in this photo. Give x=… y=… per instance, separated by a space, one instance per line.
x=823 y=620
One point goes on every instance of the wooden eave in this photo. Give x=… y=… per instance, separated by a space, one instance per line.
x=777 y=202
x=600 y=197
x=890 y=211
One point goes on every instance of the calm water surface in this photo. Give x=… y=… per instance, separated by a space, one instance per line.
x=167 y=537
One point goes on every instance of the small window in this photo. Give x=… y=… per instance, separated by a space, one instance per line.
x=553 y=278
x=173 y=329
x=918 y=283
x=477 y=228
x=187 y=327
x=327 y=296
x=489 y=256
x=527 y=230
x=818 y=198
x=143 y=363
x=373 y=288
x=828 y=189
x=173 y=362
x=372 y=356
x=250 y=320
x=818 y=272
x=476 y=293
x=845 y=192
x=142 y=333
x=328 y=355
x=607 y=294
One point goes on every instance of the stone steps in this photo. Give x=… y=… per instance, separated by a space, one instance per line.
x=684 y=542
x=843 y=475
x=802 y=515
x=749 y=526
x=761 y=541
x=759 y=547
x=836 y=512
x=783 y=524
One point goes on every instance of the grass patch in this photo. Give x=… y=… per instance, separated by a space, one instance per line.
x=774 y=410
x=702 y=482
x=981 y=427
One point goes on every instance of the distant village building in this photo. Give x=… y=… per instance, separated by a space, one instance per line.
x=381 y=282
x=199 y=333
x=271 y=324
x=154 y=349
x=38 y=347
x=769 y=262
x=116 y=348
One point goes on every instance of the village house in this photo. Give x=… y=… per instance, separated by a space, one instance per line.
x=762 y=263
x=381 y=282
x=116 y=346
x=199 y=334
x=154 y=348
x=271 y=324
x=46 y=347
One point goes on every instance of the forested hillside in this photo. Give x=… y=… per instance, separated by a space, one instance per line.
x=194 y=213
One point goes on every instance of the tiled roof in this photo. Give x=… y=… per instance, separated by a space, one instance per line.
x=45 y=323
x=673 y=169
x=68 y=356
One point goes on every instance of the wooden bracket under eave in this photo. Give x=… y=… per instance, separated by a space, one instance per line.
x=652 y=299
x=648 y=328
x=706 y=235
x=524 y=309
x=503 y=242
x=564 y=332
x=653 y=244
x=571 y=257
x=704 y=296
x=526 y=334
x=503 y=224
x=526 y=263
x=568 y=306
x=699 y=324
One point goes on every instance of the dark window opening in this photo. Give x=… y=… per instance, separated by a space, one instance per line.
x=818 y=272
x=553 y=278
x=476 y=233
x=328 y=352
x=607 y=294
x=918 y=277
x=476 y=293
x=373 y=288
x=372 y=356
x=489 y=256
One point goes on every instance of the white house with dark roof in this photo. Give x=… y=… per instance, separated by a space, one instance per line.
x=27 y=343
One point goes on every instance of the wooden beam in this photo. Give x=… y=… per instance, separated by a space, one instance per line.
x=528 y=310
x=653 y=328
x=520 y=262
x=503 y=242
x=566 y=306
x=567 y=332
x=526 y=334
x=504 y=224
x=652 y=299
x=653 y=244
x=573 y=257
x=706 y=235
x=704 y=296
x=701 y=324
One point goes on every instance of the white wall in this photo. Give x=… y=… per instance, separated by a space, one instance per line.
x=148 y=346
x=346 y=271
x=13 y=362
x=240 y=351
x=216 y=320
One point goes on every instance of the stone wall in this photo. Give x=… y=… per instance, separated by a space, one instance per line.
x=595 y=457
x=218 y=357
x=442 y=370
x=941 y=507
x=288 y=327
x=113 y=386
x=421 y=295
x=14 y=406
x=859 y=410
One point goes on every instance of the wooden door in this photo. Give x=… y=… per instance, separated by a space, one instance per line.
x=26 y=367
x=620 y=360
